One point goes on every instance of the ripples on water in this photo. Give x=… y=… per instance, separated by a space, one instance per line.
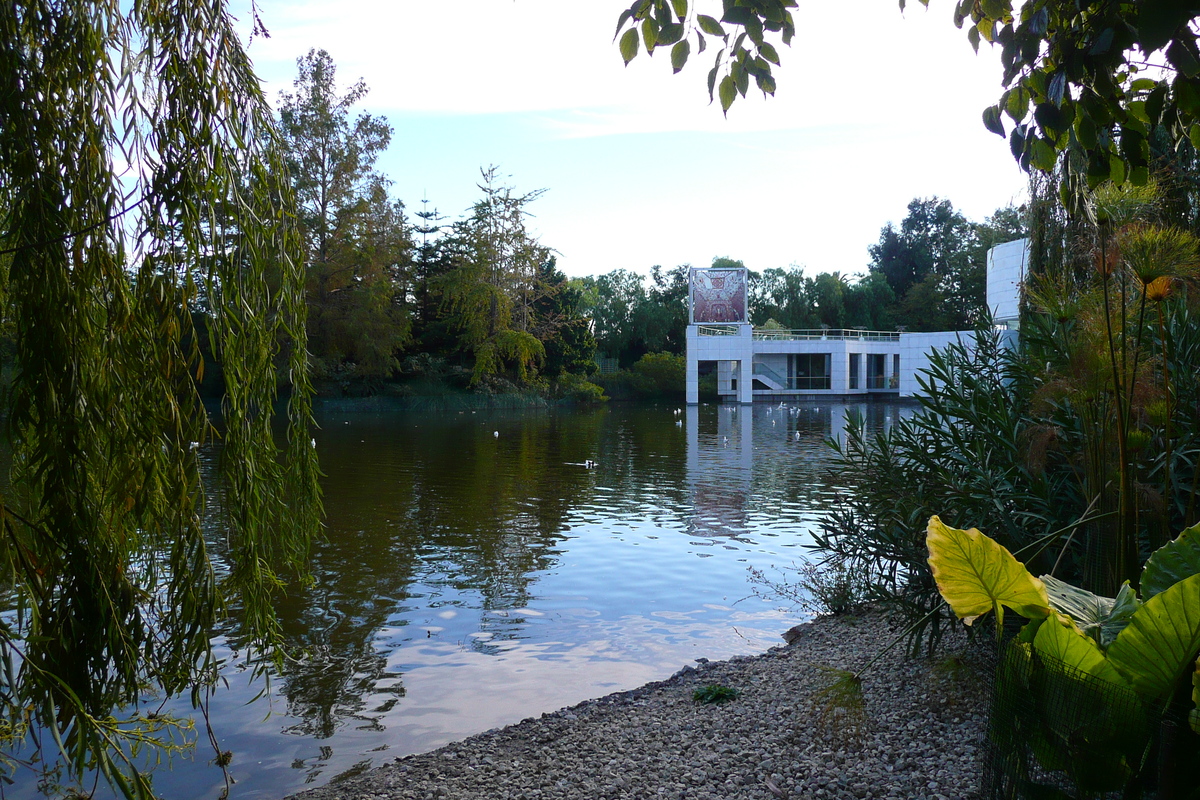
x=468 y=579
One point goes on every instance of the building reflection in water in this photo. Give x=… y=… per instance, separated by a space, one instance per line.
x=732 y=450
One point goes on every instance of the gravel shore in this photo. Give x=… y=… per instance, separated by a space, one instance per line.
x=921 y=725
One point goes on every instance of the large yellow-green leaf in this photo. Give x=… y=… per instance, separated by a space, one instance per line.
x=1059 y=639
x=1171 y=563
x=976 y=575
x=1160 y=643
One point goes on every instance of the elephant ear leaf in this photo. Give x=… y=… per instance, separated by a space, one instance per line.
x=1171 y=563
x=1158 y=647
x=1057 y=638
x=976 y=575
x=1088 y=611
x=1124 y=607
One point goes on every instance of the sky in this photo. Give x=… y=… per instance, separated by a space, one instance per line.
x=873 y=108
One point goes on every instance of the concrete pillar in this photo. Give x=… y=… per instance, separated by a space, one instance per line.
x=746 y=373
x=746 y=381
x=692 y=379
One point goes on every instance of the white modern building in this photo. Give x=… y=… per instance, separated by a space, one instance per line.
x=1006 y=265
x=766 y=364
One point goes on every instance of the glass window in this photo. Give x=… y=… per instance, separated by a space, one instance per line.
x=808 y=371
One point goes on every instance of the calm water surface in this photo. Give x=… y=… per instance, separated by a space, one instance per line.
x=475 y=572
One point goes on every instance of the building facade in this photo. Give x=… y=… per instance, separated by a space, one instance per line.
x=771 y=364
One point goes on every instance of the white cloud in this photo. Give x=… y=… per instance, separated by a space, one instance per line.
x=873 y=109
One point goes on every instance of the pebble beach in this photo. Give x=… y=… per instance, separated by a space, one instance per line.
x=915 y=733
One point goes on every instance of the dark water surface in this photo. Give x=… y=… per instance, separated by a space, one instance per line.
x=475 y=572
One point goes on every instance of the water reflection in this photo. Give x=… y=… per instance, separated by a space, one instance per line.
x=475 y=572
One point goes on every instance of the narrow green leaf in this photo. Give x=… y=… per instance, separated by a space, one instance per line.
x=649 y=34
x=767 y=51
x=741 y=78
x=679 y=54
x=629 y=45
x=727 y=91
x=709 y=25
x=991 y=120
x=766 y=83
x=621 y=20
x=681 y=9
x=754 y=28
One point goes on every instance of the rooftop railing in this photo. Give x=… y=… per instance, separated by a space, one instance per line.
x=827 y=333
x=776 y=334
x=717 y=330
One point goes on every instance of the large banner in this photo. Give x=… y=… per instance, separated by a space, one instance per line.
x=719 y=295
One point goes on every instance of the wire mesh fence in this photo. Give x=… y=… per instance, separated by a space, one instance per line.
x=1057 y=733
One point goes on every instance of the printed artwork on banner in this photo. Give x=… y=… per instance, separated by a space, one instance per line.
x=718 y=295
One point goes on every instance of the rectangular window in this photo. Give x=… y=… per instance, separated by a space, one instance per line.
x=855 y=361
x=808 y=371
x=876 y=365
x=896 y=371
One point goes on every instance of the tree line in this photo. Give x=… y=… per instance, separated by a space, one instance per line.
x=394 y=296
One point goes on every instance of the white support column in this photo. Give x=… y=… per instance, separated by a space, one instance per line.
x=746 y=381
x=746 y=373
x=692 y=379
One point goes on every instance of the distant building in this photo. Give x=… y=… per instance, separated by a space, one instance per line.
x=1006 y=265
x=766 y=364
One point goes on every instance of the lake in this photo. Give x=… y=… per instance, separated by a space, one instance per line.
x=476 y=571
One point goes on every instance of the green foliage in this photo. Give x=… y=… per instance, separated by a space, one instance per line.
x=560 y=325
x=741 y=56
x=115 y=588
x=961 y=450
x=1172 y=562
x=975 y=575
x=518 y=348
x=715 y=694
x=829 y=587
x=936 y=263
x=1156 y=654
x=661 y=374
x=1094 y=81
x=573 y=389
x=359 y=241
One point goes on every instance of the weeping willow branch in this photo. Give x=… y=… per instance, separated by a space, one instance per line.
x=115 y=586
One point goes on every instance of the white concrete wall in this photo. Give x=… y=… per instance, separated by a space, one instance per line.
x=914 y=354
x=1006 y=265
x=739 y=348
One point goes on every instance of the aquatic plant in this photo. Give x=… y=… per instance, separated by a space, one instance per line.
x=1080 y=656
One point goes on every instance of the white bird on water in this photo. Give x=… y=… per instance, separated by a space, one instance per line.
x=496 y=434
x=797 y=436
